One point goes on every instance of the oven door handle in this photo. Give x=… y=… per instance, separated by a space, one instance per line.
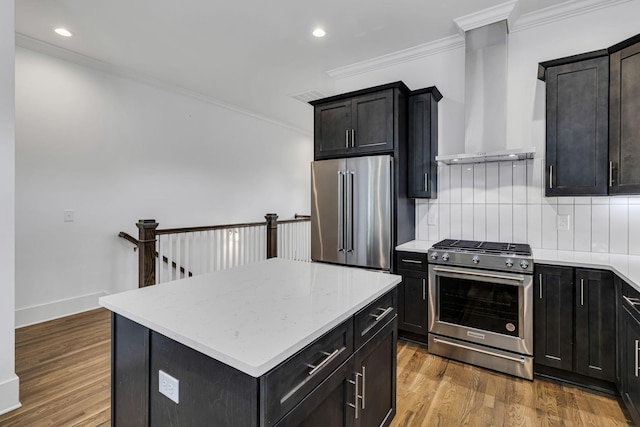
x=479 y=274
x=477 y=350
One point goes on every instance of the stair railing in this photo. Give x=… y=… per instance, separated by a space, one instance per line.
x=190 y=251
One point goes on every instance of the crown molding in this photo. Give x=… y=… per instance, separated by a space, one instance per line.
x=127 y=73
x=399 y=57
x=500 y=12
x=562 y=11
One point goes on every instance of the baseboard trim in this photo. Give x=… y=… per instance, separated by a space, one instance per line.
x=9 y=395
x=56 y=309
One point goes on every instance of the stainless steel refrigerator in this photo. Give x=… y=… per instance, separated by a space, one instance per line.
x=351 y=211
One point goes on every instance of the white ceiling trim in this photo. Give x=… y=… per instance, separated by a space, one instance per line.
x=410 y=54
x=529 y=20
x=86 y=61
x=562 y=11
x=501 y=12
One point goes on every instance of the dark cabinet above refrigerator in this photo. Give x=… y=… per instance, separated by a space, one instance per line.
x=360 y=123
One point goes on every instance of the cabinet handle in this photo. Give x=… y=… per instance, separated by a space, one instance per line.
x=637 y=357
x=411 y=261
x=550 y=176
x=581 y=291
x=424 y=289
x=353 y=138
x=325 y=362
x=385 y=311
x=354 y=405
x=631 y=301
x=364 y=387
x=346 y=138
x=610 y=174
x=540 y=277
x=426 y=182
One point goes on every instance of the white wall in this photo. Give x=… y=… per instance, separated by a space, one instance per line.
x=115 y=150
x=8 y=378
x=506 y=201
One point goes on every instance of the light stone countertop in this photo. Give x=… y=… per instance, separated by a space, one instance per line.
x=625 y=266
x=255 y=316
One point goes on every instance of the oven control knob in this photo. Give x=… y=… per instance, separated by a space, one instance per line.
x=524 y=264
x=434 y=256
x=445 y=257
x=475 y=259
x=509 y=263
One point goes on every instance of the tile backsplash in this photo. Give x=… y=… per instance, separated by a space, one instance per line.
x=505 y=201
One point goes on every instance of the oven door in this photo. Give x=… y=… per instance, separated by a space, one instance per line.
x=485 y=307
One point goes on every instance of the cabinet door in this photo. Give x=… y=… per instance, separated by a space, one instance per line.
x=412 y=303
x=372 y=120
x=631 y=368
x=577 y=128
x=595 y=345
x=553 y=317
x=328 y=404
x=332 y=129
x=376 y=364
x=423 y=146
x=624 y=136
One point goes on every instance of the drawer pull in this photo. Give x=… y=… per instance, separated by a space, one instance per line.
x=411 y=261
x=326 y=361
x=631 y=301
x=385 y=311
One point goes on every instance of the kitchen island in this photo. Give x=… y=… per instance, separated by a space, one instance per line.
x=272 y=343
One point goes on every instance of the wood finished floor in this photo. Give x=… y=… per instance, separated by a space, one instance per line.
x=64 y=370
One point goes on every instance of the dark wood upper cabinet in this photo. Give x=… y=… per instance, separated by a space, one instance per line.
x=368 y=121
x=423 y=142
x=624 y=119
x=577 y=103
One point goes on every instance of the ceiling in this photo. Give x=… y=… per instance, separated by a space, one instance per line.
x=251 y=54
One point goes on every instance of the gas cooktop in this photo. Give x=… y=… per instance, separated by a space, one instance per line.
x=497 y=248
x=515 y=257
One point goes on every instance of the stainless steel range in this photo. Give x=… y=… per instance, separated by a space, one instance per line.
x=481 y=304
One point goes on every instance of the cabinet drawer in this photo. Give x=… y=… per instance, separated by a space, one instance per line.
x=411 y=261
x=286 y=385
x=373 y=317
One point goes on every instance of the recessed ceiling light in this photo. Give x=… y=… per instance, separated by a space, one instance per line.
x=319 y=32
x=63 y=32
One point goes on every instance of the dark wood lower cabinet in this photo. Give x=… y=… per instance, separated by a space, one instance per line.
x=356 y=387
x=412 y=303
x=595 y=342
x=328 y=405
x=575 y=325
x=630 y=370
x=375 y=364
x=553 y=316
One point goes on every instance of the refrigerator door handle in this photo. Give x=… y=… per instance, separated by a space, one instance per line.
x=341 y=200
x=349 y=211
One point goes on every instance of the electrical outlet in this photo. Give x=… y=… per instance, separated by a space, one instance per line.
x=564 y=222
x=432 y=218
x=169 y=386
x=68 y=215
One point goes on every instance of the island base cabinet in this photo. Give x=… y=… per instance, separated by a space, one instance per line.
x=361 y=393
x=328 y=404
x=375 y=365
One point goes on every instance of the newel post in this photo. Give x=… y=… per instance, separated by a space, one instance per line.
x=146 y=252
x=272 y=235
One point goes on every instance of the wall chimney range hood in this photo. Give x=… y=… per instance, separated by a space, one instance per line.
x=486 y=46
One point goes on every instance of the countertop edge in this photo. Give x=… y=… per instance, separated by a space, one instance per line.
x=254 y=371
x=618 y=264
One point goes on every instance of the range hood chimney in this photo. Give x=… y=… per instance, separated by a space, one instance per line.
x=486 y=62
